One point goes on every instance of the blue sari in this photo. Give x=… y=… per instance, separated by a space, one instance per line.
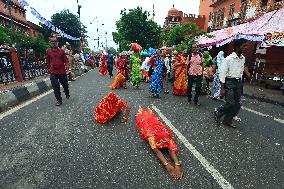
x=156 y=82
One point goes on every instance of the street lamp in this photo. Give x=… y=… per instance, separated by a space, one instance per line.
x=98 y=22
x=106 y=39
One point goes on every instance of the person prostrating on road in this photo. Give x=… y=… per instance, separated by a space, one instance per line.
x=58 y=66
x=159 y=137
x=109 y=107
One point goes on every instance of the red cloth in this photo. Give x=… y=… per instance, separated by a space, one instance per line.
x=103 y=66
x=108 y=107
x=149 y=125
x=120 y=65
x=57 y=61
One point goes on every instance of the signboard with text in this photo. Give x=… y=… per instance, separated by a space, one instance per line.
x=273 y=39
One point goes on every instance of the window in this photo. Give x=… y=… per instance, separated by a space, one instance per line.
x=232 y=10
x=263 y=3
x=243 y=9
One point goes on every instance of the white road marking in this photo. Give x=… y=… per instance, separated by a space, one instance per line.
x=215 y=173
x=16 y=108
x=263 y=115
x=13 y=110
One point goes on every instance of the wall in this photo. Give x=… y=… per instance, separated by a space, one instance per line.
x=199 y=21
x=16 y=14
x=205 y=10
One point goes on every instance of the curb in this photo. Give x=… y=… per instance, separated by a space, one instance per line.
x=23 y=93
x=20 y=94
x=263 y=99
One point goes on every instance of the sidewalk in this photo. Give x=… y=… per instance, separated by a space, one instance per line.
x=262 y=94
x=16 y=93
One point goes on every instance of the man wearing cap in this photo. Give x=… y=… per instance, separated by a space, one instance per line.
x=58 y=65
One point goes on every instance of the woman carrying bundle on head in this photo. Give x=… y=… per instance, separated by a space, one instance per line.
x=135 y=61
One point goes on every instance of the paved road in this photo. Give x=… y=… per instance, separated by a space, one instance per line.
x=43 y=146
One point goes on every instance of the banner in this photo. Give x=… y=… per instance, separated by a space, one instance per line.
x=47 y=23
x=273 y=39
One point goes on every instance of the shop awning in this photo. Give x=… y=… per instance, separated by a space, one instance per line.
x=253 y=31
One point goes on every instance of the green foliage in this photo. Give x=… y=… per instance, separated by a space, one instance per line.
x=4 y=37
x=112 y=51
x=70 y=24
x=181 y=34
x=23 y=42
x=134 y=26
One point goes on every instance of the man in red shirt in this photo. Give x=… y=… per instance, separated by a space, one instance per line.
x=57 y=67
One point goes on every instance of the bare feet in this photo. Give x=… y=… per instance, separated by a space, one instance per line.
x=179 y=171
x=125 y=116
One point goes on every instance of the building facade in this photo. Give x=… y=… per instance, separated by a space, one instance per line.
x=230 y=13
x=14 y=15
x=176 y=17
x=227 y=13
x=207 y=11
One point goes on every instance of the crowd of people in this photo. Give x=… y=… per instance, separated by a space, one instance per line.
x=159 y=69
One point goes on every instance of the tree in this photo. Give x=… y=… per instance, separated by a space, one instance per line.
x=112 y=51
x=22 y=42
x=70 y=24
x=182 y=36
x=4 y=37
x=134 y=26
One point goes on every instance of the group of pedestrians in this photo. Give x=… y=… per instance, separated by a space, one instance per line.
x=185 y=69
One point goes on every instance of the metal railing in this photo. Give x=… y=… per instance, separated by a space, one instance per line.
x=33 y=69
x=7 y=73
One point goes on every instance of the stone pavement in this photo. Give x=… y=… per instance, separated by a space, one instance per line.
x=18 y=92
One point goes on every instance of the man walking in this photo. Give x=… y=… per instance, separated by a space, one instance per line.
x=110 y=61
x=57 y=66
x=231 y=72
x=194 y=73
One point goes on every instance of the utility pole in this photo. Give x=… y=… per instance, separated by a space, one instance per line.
x=106 y=40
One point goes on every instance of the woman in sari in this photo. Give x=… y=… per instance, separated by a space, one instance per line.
x=156 y=82
x=180 y=81
x=136 y=74
x=159 y=137
x=216 y=81
x=120 y=79
x=103 y=66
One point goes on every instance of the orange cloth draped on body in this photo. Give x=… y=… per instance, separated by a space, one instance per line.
x=108 y=107
x=119 y=80
x=180 y=81
x=153 y=130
